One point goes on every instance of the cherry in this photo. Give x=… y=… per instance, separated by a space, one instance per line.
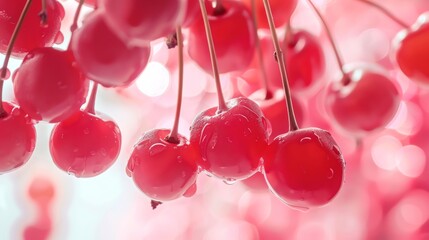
x=305 y=60
x=282 y=11
x=304 y=167
x=231 y=24
x=18 y=137
x=104 y=57
x=411 y=51
x=141 y=21
x=85 y=144
x=364 y=101
x=163 y=170
x=33 y=33
x=231 y=141
x=49 y=86
x=163 y=163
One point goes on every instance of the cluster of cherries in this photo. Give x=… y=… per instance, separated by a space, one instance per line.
x=233 y=141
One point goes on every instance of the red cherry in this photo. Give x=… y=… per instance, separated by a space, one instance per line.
x=49 y=86
x=141 y=21
x=275 y=110
x=305 y=60
x=412 y=52
x=85 y=145
x=17 y=139
x=105 y=58
x=281 y=9
x=33 y=34
x=363 y=102
x=162 y=170
x=304 y=168
x=231 y=142
x=233 y=37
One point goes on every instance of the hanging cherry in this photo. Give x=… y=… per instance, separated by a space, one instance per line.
x=231 y=137
x=303 y=167
x=49 y=86
x=163 y=163
x=85 y=144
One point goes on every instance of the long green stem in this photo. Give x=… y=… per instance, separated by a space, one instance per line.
x=222 y=105
x=173 y=136
x=386 y=12
x=10 y=47
x=293 y=125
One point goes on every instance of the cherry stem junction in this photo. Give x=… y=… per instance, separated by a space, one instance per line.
x=293 y=125
x=222 y=105
x=262 y=70
x=330 y=37
x=173 y=136
x=43 y=13
x=9 y=49
x=386 y=12
x=90 y=107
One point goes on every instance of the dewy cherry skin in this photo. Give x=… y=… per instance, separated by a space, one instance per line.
x=86 y=144
x=49 y=86
x=163 y=170
x=33 y=33
x=17 y=139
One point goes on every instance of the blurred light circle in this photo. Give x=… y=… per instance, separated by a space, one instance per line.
x=411 y=161
x=154 y=80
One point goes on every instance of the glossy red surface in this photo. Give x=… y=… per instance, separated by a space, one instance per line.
x=162 y=170
x=49 y=86
x=231 y=142
x=85 y=145
x=17 y=138
x=304 y=168
x=33 y=33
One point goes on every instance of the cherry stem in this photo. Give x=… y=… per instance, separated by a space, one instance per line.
x=386 y=12
x=90 y=107
x=331 y=39
x=73 y=27
x=293 y=125
x=173 y=136
x=262 y=72
x=222 y=105
x=10 y=47
x=43 y=13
